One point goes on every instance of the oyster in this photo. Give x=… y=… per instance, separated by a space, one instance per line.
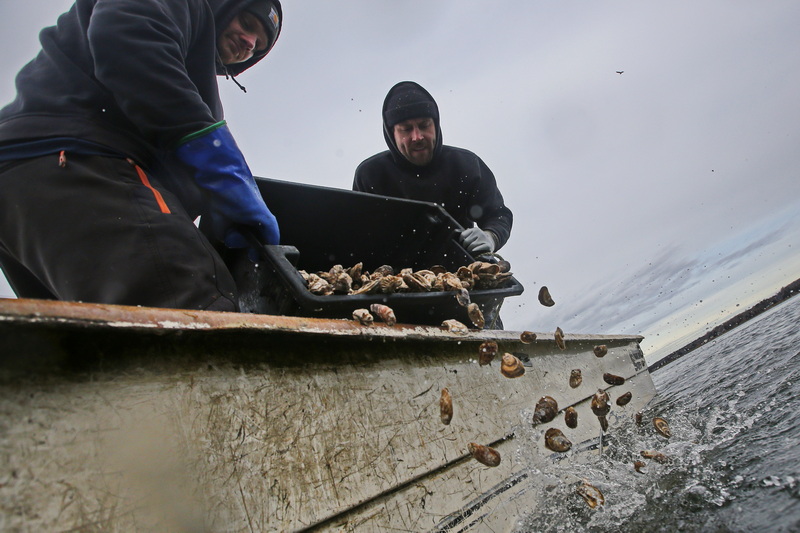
x=555 y=440
x=662 y=427
x=462 y=297
x=571 y=417
x=363 y=316
x=487 y=352
x=638 y=418
x=476 y=315
x=511 y=367
x=638 y=465
x=484 y=454
x=355 y=271
x=603 y=422
x=546 y=410
x=385 y=313
x=575 y=378
x=591 y=494
x=371 y=286
x=446 y=406
x=612 y=379
x=600 y=401
x=654 y=455
x=417 y=282
x=454 y=326
x=504 y=266
x=545 y=298
x=600 y=350
x=527 y=337
x=624 y=399
x=390 y=284
x=559 y=336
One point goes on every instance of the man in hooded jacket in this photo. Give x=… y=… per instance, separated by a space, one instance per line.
x=418 y=166
x=116 y=143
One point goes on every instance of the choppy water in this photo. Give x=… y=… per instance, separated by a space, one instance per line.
x=734 y=410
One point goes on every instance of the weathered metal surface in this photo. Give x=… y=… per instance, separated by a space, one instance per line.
x=118 y=418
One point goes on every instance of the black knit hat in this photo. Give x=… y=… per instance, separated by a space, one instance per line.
x=269 y=14
x=407 y=100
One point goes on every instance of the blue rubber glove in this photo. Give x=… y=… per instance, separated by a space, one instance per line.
x=477 y=241
x=234 y=198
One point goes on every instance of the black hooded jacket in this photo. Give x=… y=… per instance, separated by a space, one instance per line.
x=456 y=179
x=135 y=76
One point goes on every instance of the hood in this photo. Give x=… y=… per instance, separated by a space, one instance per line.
x=404 y=101
x=224 y=13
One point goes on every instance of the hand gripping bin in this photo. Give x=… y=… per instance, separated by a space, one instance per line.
x=321 y=227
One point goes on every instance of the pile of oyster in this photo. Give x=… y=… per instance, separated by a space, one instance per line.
x=383 y=280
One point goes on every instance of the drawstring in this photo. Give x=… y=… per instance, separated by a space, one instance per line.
x=230 y=76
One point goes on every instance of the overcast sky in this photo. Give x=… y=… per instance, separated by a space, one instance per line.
x=651 y=202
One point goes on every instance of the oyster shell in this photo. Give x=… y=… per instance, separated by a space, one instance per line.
x=624 y=399
x=600 y=401
x=527 y=337
x=575 y=378
x=487 y=352
x=571 y=417
x=385 y=313
x=654 y=455
x=454 y=326
x=600 y=350
x=662 y=427
x=416 y=282
x=363 y=316
x=462 y=297
x=446 y=406
x=612 y=379
x=638 y=465
x=559 y=336
x=484 y=454
x=544 y=297
x=511 y=367
x=591 y=494
x=476 y=315
x=370 y=287
x=555 y=440
x=546 y=410
x=603 y=422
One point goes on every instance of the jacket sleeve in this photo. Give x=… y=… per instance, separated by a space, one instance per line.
x=495 y=217
x=141 y=51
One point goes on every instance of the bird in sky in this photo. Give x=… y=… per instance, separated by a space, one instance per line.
x=620 y=71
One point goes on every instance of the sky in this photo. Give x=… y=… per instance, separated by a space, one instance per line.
x=656 y=202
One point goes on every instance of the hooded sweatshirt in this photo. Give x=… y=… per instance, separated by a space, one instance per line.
x=131 y=76
x=456 y=179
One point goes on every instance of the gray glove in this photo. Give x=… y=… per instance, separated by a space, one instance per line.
x=477 y=241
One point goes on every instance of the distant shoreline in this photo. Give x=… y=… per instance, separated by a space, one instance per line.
x=782 y=295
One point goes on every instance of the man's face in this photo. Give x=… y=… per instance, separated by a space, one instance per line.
x=243 y=37
x=415 y=138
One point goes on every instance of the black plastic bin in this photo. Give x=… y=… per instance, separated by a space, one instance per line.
x=323 y=226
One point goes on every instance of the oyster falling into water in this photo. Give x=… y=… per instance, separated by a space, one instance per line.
x=510 y=366
x=446 y=406
x=591 y=494
x=487 y=352
x=385 y=313
x=555 y=440
x=662 y=427
x=600 y=350
x=544 y=297
x=476 y=315
x=546 y=410
x=624 y=399
x=571 y=417
x=575 y=378
x=559 y=337
x=484 y=454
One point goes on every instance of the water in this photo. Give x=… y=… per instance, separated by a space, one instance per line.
x=734 y=410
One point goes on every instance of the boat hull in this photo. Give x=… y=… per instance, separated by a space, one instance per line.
x=118 y=418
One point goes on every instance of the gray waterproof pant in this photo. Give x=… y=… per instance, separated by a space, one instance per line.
x=98 y=229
